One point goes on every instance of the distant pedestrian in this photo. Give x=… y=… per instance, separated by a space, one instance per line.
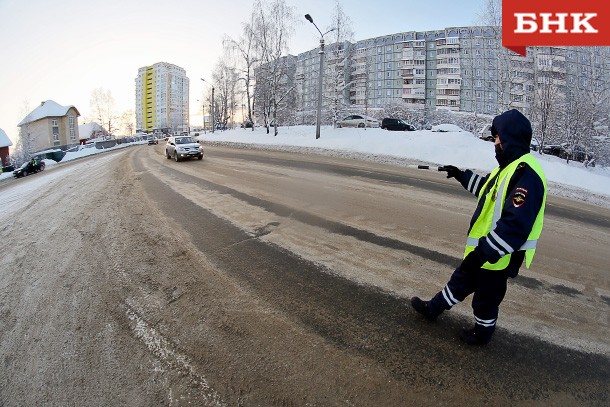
x=503 y=232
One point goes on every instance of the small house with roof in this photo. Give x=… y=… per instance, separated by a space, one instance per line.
x=5 y=143
x=90 y=131
x=50 y=125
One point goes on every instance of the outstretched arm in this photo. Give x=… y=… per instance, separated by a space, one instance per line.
x=470 y=181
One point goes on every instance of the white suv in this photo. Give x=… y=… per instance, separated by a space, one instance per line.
x=181 y=147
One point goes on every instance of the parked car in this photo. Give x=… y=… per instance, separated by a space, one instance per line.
x=29 y=167
x=396 y=124
x=356 y=120
x=183 y=147
x=578 y=153
x=485 y=133
x=152 y=140
x=554 y=149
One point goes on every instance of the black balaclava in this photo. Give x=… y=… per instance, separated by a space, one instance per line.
x=515 y=136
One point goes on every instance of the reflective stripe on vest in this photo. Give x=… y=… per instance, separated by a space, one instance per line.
x=485 y=224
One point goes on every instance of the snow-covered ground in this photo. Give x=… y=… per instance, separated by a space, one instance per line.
x=461 y=149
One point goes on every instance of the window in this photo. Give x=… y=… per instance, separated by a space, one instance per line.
x=71 y=127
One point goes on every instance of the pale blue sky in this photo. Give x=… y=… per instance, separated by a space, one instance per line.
x=63 y=49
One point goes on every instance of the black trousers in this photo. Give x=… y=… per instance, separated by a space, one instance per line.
x=488 y=287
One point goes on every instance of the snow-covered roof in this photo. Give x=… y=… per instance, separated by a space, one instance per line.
x=4 y=140
x=48 y=108
x=86 y=130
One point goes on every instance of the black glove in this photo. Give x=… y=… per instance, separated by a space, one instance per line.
x=452 y=171
x=473 y=261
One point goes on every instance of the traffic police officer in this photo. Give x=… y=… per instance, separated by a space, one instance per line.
x=503 y=232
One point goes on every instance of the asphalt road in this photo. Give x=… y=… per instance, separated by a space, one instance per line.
x=269 y=278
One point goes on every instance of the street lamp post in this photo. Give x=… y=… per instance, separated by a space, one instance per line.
x=320 y=75
x=212 y=106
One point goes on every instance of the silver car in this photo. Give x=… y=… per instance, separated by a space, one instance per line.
x=183 y=147
x=357 y=120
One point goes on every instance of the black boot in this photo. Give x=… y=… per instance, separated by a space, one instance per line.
x=423 y=307
x=477 y=336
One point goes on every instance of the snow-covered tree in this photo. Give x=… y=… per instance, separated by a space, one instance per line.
x=246 y=51
x=103 y=109
x=225 y=77
x=25 y=143
x=273 y=25
x=336 y=72
x=127 y=122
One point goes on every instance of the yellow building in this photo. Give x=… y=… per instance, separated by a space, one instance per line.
x=162 y=98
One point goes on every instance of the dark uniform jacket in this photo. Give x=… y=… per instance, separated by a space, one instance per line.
x=525 y=190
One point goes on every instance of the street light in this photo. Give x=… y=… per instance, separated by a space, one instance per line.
x=212 y=107
x=320 y=76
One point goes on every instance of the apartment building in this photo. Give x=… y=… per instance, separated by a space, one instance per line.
x=456 y=68
x=162 y=98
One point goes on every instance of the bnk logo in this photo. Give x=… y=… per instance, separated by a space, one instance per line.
x=554 y=23
x=528 y=23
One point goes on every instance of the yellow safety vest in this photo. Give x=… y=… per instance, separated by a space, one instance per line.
x=492 y=210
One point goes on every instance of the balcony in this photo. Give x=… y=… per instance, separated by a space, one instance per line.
x=407 y=73
x=417 y=103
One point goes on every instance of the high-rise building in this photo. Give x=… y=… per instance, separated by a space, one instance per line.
x=162 y=98
x=456 y=68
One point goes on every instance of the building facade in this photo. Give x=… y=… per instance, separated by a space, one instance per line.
x=5 y=143
x=457 y=68
x=162 y=98
x=50 y=125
